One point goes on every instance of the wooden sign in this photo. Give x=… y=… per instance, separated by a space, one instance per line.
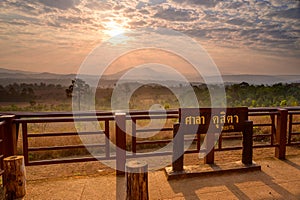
x=202 y=120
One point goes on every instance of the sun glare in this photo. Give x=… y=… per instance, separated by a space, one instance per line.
x=113 y=29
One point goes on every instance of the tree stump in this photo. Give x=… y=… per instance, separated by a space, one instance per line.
x=14 y=177
x=137 y=180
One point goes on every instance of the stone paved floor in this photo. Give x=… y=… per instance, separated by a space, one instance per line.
x=277 y=180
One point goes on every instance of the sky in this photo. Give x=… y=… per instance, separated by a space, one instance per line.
x=241 y=36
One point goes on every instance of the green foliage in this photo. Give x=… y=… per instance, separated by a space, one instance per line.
x=53 y=97
x=283 y=103
x=78 y=90
x=263 y=95
x=167 y=106
x=17 y=92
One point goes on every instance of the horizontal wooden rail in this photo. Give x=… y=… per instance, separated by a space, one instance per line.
x=54 y=120
x=153 y=130
x=145 y=117
x=153 y=142
x=294 y=143
x=295 y=133
x=262 y=113
x=262 y=135
x=68 y=160
x=85 y=113
x=257 y=125
x=65 y=147
x=232 y=137
x=64 y=134
x=141 y=155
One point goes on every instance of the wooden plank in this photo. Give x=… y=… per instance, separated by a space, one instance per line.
x=65 y=147
x=63 y=134
x=67 y=160
x=153 y=142
x=203 y=120
x=54 y=120
x=153 y=130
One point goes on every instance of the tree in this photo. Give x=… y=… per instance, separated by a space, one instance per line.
x=283 y=103
x=77 y=89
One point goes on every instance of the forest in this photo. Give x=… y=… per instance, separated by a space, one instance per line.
x=244 y=94
x=50 y=97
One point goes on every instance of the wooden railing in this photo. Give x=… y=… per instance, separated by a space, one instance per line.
x=61 y=119
x=281 y=133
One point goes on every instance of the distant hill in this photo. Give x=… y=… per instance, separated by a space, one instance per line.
x=8 y=71
x=17 y=76
x=261 y=79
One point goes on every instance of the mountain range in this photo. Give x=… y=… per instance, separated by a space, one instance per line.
x=8 y=76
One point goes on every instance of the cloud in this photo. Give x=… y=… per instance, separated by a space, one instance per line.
x=206 y=3
x=293 y=13
x=60 y=4
x=139 y=23
x=266 y=26
x=240 y=22
x=173 y=14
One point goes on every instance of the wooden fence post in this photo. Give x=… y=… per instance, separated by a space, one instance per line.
x=210 y=153
x=247 y=151
x=178 y=149
x=10 y=136
x=137 y=180
x=14 y=176
x=120 y=143
x=281 y=132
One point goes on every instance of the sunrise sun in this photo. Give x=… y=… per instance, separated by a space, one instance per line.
x=113 y=28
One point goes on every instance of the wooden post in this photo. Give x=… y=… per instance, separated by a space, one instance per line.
x=178 y=149
x=247 y=143
x=137 y=180
x=14 y=176
x=210 y=153
x=107 y=139
x=281 y=132
x=25 y=142
x=120 y=143
x=10 y=136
